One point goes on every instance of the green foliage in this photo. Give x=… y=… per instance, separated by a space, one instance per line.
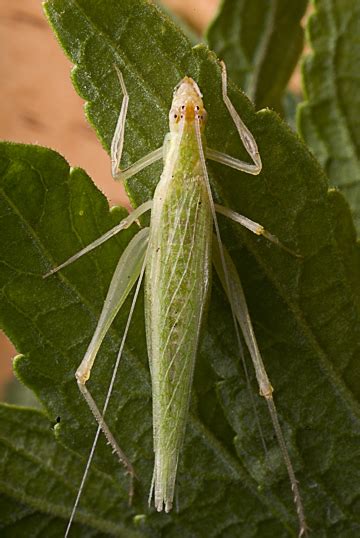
x=329 y=118
x=305 y=311
x=37 y=482
x=260 y=43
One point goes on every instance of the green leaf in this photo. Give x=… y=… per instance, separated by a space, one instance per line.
x=260 y=43
x=40 y=474
x=328 y=119
x=290 y=103
x=305 y=311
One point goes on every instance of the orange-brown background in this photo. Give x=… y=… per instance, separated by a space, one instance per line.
x=38 y=104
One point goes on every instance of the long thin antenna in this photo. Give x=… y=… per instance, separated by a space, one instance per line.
x=108 y=395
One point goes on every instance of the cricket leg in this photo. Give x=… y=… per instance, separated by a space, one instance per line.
x=246 y=137
x=253 y=226
x=126 y=273
x=123 y=225
x=232 y=285
x=219 y=244
x=117 y=143
x=116 y=153
x=130 y=268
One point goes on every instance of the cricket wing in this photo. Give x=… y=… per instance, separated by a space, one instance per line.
x=177 y=284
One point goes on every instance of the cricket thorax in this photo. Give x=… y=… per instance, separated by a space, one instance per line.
x=187 y=105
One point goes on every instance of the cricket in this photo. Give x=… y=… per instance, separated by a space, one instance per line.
x=174 y=257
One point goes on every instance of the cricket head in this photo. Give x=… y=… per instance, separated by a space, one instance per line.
x=187 y=105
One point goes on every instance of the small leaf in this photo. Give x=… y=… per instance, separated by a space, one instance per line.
x=328 y=119
x=260 y=43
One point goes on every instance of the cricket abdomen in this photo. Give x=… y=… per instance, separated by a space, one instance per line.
x=177 y=285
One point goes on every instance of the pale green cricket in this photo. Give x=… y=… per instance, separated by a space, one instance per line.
x=175 y=254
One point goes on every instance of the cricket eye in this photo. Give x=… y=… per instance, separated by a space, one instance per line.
x=197 y=108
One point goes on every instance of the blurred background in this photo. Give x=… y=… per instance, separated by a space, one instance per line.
x=38 y=104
